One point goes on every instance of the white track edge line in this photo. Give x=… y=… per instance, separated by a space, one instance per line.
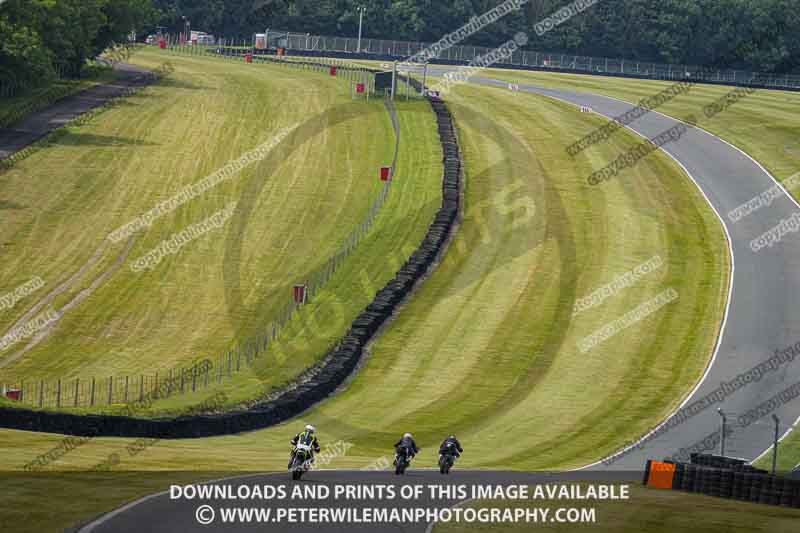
x=702 y=129
x=431 y=525
x=788 y=432
x=87 y=528
x=759 y=165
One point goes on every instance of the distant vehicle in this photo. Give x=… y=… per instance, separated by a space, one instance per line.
x=201 y=37
x=150 y=39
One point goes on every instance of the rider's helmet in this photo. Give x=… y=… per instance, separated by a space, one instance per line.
x=407 y=436
x=310 y=428
x=452 y=437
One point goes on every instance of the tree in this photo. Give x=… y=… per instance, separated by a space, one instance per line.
x=24 y=61
x=124 y=17
x=41 y=38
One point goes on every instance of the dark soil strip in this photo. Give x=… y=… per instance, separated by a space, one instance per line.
x=38 y=124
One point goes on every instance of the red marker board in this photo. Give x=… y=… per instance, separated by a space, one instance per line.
x=300 y=294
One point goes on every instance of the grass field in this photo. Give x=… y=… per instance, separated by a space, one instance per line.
x=764 y=124
x=788 y=454
x=651 y=510
x=489 y=342
x=294 y=209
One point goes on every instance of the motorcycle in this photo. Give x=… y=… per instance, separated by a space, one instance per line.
x=402 y=460
x=301 y=462
x=447 y=459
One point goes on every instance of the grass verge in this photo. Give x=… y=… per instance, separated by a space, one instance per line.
x=764 y=124
x=651 y=510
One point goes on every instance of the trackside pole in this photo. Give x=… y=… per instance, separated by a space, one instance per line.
x=775 y=444
x=394 y=78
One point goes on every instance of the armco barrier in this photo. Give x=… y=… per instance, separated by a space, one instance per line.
x=390 y=50
x=677 y=76
x=337 y=365
x=729 y=478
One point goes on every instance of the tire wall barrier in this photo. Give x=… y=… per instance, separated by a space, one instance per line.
x=724 y=478
x=338 y=364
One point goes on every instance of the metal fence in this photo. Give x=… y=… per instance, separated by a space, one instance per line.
x=532 y=59
x=11 y=86
x=111 y=390
x=115 y=390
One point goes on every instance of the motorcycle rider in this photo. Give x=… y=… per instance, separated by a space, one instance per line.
x=307 y=437
x=406 y=446
x=451 y=446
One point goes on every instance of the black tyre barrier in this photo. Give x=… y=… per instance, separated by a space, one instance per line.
x=724 y=477
x=729 y=463
x=337 y=365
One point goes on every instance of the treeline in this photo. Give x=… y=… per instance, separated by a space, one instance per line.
x=42 y=39
x=746 y=34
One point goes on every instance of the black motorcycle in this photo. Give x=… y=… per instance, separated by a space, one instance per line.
x=447 y=458
x=301 y=462
x=402 y=460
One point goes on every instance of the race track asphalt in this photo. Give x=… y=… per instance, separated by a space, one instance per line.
x=161 y=513
x=759 y=319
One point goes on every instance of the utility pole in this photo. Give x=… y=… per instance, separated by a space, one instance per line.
x=361 y=11
x=186 y=30
x=394 y=78
x=775 y=444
